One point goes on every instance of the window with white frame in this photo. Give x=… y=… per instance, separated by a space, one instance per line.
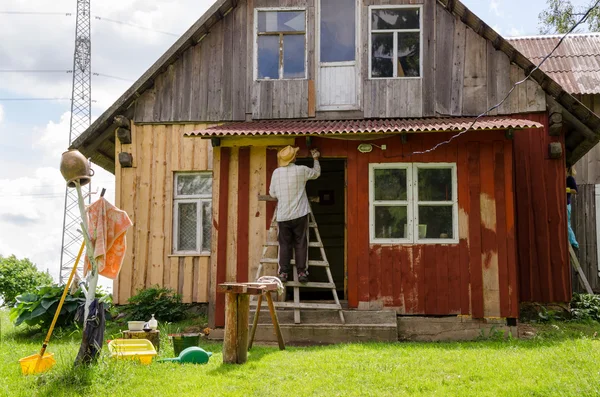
x=413 y=203
x=192 y=213
x=280 y=44
x=395 y=41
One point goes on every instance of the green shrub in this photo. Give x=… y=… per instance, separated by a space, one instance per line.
x=164 y=303
x=39 y=306
x=18 y=276
x=585 y=307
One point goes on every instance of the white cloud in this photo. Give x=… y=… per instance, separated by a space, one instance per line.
x=513 y=32
x=495 y=8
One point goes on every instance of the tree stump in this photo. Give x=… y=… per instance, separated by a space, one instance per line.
x=152 y=336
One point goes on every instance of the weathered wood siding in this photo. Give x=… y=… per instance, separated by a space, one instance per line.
x=541 y=217
x=588 y=168
x=145 y=191
x=214 y=80
x=584 y=217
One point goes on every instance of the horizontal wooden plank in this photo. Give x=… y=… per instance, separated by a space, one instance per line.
x=310 y=285
x=292 y=305
x=293 y=262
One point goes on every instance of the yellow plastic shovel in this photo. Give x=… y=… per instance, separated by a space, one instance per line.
x=43 y=361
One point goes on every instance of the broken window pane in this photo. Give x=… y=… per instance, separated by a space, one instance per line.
x=390 y=184
x=293 y=57
x=268 y=57
x=435 y=184
x=206 y=225
x=187 y=226
x=338 y=30
x=402 y=18
x=193 y=184
x=281 y=21
x=390 y=221
x=382 y=54
x=409 y=54
x=436 y=220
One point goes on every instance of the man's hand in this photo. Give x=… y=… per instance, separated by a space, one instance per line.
x=315 y=153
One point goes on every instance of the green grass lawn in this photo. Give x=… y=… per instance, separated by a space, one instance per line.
x=562 y=360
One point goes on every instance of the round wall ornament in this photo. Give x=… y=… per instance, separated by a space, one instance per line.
x=365 y=148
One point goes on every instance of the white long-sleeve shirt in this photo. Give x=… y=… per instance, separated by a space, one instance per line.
x=288 y=187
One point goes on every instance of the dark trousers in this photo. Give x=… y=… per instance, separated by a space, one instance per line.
x=293 y=236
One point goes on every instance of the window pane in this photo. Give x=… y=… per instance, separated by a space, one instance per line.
x=193 y=184
x=409 y=54
x=187 y=221
x=390 y=222
x=435 y=184
x=382 y=54
x=281 y=21
x=338 y=30
x=395 y=19
x=268 y=57
x=206 y=225
x=390 y=184
x=293 y=56
x=435 y=221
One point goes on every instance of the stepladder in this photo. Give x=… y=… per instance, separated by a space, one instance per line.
x=315 y=242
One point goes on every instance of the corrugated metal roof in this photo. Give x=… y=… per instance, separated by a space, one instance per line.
x=335 y=127
x=575 y=64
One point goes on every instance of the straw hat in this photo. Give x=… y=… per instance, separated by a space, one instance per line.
x=287 y=155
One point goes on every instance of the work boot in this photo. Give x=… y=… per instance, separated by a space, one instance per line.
x=283 y=277
x=303 y=277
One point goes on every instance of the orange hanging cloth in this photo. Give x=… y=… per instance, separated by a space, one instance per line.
x=107 y=226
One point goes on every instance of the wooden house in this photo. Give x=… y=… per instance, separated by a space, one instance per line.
x=576 y=67
x=418 y=216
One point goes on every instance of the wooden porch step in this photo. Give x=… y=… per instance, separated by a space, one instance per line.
x=293 y=262
x=310 y=224
x=310 y=285
x=311 y=244
x=292 y=305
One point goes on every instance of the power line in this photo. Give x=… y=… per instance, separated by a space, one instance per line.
x=67 y=14
x=34 y=99
x=470 y=128
x=134 y=26
x=34 y=71
x=112 y=77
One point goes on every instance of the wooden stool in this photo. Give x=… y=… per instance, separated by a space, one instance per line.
x=152 y=336
x=237 y=311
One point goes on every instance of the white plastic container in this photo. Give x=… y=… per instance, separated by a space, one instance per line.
x=136 y=325
x=152 y=323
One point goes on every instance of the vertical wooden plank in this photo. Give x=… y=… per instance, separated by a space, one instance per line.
x=443 y=271
x=143 y=208
x=214 y=241
x=444 y=46
x=158 y=225
x=362 y=242
x=186 y=154
x=195 y=277
x=196 y=79
x=501 y=213
x=398 y=299
x=458 y=67
x=240 y=62
x=221 y=271
x=492 y=88
x=185 y=89
x=205 y=53
x=271 y=166
x=513 y=283
x=475 y=80
x=182 y=275
x=257 y=209
x=374 y=274
x=421 y=286
x=174 y=270
x=454 y=282
x=168 y=205
x=158 y=89
x=243 y=206
x=232 y=216
x=503 y=84
x=489 y=245
x=353 y=225
x=167 y=94
x=227 y=67
x=215 y=73
x=475 y=231
x=203 y=278
x=429 y=59
x=429 y=288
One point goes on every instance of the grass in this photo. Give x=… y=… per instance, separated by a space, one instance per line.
x=562 y=360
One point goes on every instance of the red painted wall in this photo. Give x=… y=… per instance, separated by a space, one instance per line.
x=544 y=270
x=434 y=279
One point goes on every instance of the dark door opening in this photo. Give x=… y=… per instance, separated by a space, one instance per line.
x=330 y=214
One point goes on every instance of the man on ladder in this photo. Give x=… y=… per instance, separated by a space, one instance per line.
x=288 y=187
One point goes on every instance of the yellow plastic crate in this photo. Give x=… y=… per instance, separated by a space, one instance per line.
x=132 y=349
x=28 y=364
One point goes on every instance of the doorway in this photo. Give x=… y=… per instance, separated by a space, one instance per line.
x=330 y=214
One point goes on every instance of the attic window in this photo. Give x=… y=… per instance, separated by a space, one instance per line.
x=280 y=44
x=395 y=41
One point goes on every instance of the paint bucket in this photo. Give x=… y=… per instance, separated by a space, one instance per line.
x=183 y=341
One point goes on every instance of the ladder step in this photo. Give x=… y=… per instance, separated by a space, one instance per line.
x=310 y=285
x=293 y=262
x=311 y=244
x=292 y=305
x=310 y=224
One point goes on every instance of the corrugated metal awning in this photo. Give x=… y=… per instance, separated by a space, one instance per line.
x=363 y=126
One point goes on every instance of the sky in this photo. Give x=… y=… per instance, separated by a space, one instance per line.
x=34 y=133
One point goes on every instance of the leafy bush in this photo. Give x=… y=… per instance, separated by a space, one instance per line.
x=164 y=303
x=38 y=307
x=585 y=307
x=18 y=276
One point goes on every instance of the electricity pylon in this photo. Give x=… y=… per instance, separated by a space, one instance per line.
x=81 y=114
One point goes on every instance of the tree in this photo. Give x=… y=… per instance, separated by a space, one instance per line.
x=18 y=276
x=562 y=15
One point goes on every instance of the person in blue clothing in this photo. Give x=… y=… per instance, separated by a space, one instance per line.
x=571 y=189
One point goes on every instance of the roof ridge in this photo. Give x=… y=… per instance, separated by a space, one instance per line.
x=552 y=36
